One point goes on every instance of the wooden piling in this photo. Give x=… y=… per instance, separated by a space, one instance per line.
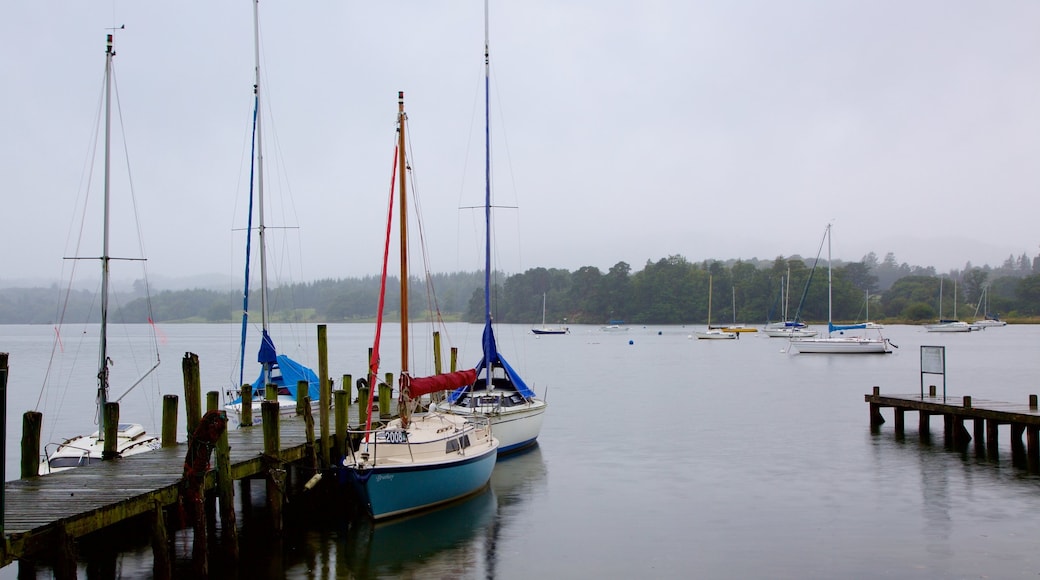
x=341 y=406
x=347 y=385
x=454 y=358
x=169 y=421
x=111 y=434
x=899 y=416
x=439 y=395
x=385 y=394
x=270 y=392
x=363 y=396
x=1033 y=448
x=275 y=473
x=192 y=390
x=32 y=425
x=1032 y=402
x=302 y=389
x=162 y=564
x=212 y=400
x=325 y=396
x=992 y=438
x=875 y=411
x=226 y=496
x=245 y=415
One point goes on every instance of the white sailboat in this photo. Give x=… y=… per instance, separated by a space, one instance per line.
x=276 y=369
x=418 y=460
x=948 y=324
x=131 y=438
x=501 y=394
x=788 y=328
x=710 y=333
x=988 y=320
x=842 y=343
x=543 y=329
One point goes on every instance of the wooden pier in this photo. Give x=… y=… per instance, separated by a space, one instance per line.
x=986 y=417
x=45 y=516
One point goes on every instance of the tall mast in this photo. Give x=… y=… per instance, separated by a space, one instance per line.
x=105 y=257
x=260 y=184
x=830 y=317
x=402 y=173
x=487 y=198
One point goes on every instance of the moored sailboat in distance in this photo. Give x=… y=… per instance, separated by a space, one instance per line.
x=543 y=329
x=131 y=438
x=417 y=460
x=710 y=333
x=841 y=344
x=499 y=393
x=276 y=369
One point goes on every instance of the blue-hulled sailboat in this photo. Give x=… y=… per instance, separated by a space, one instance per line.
x=417 y=460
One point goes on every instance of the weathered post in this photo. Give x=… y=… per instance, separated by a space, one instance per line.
x=212 y=401
x=275 y=473
x=111 y=435
x=32 y=424
x=363 y=396
x=192 y=390
x=385 y=394
x=341 y=407
x=169 y=421
x=302 y=390
x=439 y=395
x=454 y=358
x=325 y=396
x=270 y=392
x=1032 y=402
x=226 y=495
x=876 y=418
x=245 y=413
x=162 y=565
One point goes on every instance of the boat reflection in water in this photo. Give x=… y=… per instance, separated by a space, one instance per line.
x=437 y=541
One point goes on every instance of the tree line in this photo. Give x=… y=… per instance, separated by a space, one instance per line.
x=671 y=290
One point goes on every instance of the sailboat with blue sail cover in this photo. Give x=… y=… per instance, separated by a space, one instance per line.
x=499 y=392
x=840 y=343
x=276 y=369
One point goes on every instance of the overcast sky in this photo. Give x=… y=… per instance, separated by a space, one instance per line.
x=623 y=131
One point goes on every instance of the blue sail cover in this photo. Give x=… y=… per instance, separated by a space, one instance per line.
x=833 y=327
x=291 y=372
x=493 y=358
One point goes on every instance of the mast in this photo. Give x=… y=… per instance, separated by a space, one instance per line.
x=830 y=317
x=487 y=199
x=105 y=257
x=261 y=230
x=401 y=174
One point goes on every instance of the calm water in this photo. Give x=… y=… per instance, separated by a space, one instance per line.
x=660 y=456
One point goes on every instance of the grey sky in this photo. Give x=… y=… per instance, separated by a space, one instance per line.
x=623 y=130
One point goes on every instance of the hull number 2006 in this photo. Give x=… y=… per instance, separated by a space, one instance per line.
x=393 y=437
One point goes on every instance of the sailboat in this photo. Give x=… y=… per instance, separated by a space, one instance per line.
x=840 y=344
x=989 y=319
x=418 y=460
x=788 y=328
x=543 y=329
x=737 y=327
x=131 y=438
x=709 y=332
x=948 y=324
x=500 y=393
x=275 y=369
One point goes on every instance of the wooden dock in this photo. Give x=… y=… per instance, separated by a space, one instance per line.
x=986 y=417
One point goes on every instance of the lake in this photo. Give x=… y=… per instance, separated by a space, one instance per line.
x=660 y=456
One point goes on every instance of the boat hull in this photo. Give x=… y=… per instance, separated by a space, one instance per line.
x=550 y=331
x=842 y=345
x=515 y=428
x=286 y=408
x=392 y=490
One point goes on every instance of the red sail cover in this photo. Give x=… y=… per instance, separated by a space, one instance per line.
x=420 y=386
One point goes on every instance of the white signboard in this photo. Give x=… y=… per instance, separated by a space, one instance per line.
x=933 y=359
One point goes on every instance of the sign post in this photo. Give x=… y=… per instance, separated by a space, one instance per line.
x=933 y=361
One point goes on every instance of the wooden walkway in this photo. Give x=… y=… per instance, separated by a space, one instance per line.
x=43 y=512
x=986 y=417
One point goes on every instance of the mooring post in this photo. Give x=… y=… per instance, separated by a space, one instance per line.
x=454 y=358
x=979 y=427
x=169 y=421
x=111 y=443
x=245 y=413
x=931 y=391
x=899 y=414
x=1016 y=438
x=875 y=410
x=1033 y=448
x=192 y=390
x=363 y=394
x=439 y=395
x=347 y=386
x=275 y=473
x=270 y=392
x=3 y=437
x=212 y=400
x=302 y=388
x=991 y=437
x=32 y=424
x=325 y=396
x=226 y=495
x=385 y=393
x=162 y=565
x=341 y=407
x=1032 y=402
x=923 y=425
